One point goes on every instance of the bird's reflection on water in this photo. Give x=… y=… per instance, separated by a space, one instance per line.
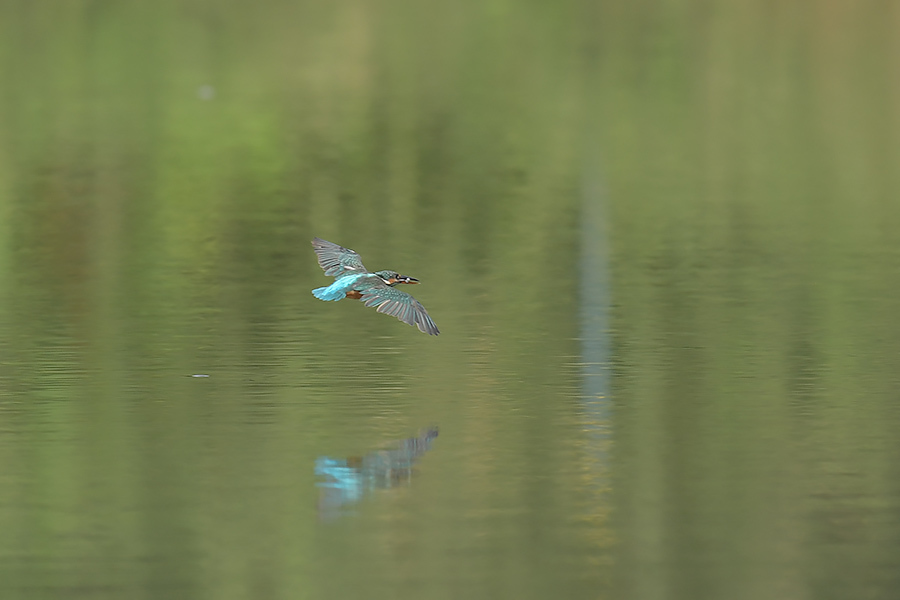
x=345 y=481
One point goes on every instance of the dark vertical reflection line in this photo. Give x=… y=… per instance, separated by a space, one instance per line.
x=594 y=319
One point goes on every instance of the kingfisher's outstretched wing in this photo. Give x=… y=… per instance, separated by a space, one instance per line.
x=337 y=260
x=391 y=301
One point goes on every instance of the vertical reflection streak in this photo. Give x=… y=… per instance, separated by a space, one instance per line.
x=595 y=342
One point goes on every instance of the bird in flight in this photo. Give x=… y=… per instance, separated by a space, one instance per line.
x=353 y=280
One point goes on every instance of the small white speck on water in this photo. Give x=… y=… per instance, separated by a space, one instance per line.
x=199 y=375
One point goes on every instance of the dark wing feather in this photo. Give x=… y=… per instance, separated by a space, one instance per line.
x=337 y=260
x=392 y=301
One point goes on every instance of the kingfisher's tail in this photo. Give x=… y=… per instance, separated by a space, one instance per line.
x=328 y=293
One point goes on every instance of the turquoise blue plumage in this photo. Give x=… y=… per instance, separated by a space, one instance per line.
x=338 y=290
x=353 y=280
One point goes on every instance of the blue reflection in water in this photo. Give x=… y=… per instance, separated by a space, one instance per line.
x=595 y=298
x=344 y=481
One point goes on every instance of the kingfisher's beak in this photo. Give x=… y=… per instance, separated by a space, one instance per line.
x=405 y=279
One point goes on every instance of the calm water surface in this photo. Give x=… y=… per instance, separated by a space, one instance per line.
x=660 y=245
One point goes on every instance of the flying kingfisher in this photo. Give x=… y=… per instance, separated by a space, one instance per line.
x=353 y=280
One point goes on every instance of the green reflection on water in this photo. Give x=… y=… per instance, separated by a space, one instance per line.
x=163 y=166
x=752 y=170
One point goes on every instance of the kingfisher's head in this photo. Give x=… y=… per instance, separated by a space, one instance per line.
x=392 y=278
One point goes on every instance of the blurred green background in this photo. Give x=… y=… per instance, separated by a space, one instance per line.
x=659 y=239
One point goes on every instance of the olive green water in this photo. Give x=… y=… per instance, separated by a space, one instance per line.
x=660 y=240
